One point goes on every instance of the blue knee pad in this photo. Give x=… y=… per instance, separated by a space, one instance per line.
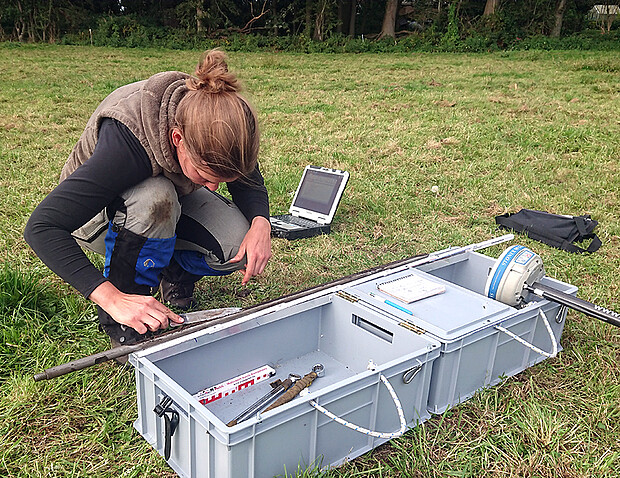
x=144 y=257
x=194 y=263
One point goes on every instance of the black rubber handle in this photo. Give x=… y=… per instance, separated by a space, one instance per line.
x=170 y=423
x=170 y=427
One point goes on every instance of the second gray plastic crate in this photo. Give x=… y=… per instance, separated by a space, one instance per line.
x=478 y=347
x=486 y=357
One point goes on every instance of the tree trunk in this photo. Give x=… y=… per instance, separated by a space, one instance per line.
x=559 y=18
x=199 y=25
x=308 y=29
x=610 y=17
x=352 y=18
x=490 y=8
x=20 y=24
x=274 y=15
x=32 y=31
x=319 y=24
x=389 y=19
x=49 y=26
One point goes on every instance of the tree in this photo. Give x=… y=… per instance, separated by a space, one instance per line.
x=559 y=18
x=274 y=16
x=308 y=15
x=346 y=17
x=319 y=21
x=490 y=7
x=325 y=18
x=389 y=19
x=605 y=16
x=352 y=14
x=42 y=20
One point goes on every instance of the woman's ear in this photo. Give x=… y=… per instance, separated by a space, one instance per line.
x=176 y=136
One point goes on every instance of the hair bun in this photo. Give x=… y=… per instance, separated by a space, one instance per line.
x=212 y=75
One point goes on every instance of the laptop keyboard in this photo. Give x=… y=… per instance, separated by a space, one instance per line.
x=288 y=221
x=300 y=221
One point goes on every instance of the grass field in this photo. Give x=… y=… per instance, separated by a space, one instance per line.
x=494 y=132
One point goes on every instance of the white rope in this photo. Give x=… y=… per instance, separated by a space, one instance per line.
x=554 y=342
x=365 y=431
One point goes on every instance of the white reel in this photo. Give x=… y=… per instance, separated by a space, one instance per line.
x=516 y=267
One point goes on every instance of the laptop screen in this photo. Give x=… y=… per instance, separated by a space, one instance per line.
x=318 y=191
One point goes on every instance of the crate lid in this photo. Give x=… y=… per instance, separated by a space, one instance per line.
x=449 y=314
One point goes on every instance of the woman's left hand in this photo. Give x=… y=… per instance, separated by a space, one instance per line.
x=257 y=246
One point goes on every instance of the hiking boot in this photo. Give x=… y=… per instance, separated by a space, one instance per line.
x=119 y=334
x=178 y=294
x=177 y=286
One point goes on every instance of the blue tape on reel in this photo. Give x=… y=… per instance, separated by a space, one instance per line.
x=509 y=255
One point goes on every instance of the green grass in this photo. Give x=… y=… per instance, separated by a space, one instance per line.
x=495 y=132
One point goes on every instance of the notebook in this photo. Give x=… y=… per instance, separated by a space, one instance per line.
x=411 y=288
x=314 y=205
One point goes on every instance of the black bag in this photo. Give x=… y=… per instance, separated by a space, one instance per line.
x=553 y=229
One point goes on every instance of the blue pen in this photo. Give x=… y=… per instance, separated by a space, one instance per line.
x=389 y=302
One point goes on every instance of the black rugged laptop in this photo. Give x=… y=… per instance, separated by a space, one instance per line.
x=314 y=204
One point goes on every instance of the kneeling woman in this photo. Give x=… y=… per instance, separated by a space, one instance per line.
x=140 y=188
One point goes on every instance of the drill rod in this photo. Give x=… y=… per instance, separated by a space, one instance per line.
x=575 y=303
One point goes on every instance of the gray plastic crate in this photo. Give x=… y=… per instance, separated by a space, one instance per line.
x=474 y=352
x=327 y=329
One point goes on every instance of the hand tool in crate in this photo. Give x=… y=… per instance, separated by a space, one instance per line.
x=279 y=388
x=282 y=393
x=317 y=371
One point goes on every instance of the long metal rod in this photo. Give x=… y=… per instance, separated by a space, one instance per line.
x=124 y=350
x=580 y=305
x=452 y=251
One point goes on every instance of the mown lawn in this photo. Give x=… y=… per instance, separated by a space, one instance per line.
x=494 y=132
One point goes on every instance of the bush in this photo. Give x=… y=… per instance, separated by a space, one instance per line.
x=128 y=31
x=588 y=40
x=479 y=43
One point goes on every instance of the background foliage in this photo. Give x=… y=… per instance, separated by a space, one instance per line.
x=310 y=25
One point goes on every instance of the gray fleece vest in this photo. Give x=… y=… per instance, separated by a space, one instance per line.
x=148 y=109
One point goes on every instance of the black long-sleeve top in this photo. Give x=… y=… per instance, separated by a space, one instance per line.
x=118 y=163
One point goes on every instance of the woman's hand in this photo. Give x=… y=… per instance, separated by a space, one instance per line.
x=140 y=312
x=257 y=246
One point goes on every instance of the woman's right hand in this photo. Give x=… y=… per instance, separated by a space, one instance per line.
x=140 y=312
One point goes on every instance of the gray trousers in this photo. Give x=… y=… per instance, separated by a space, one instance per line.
x=203 y=222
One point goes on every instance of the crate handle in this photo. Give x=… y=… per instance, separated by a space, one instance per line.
x=365 y=431
x=170 y=423
x=554 y=342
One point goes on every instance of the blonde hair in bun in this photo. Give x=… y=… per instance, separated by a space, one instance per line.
x=219 y=126
x=212 y=75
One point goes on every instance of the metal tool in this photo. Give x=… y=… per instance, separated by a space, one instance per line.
x=317 y=371
x=265 y=400
x=517 y=273
x=204 y=315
